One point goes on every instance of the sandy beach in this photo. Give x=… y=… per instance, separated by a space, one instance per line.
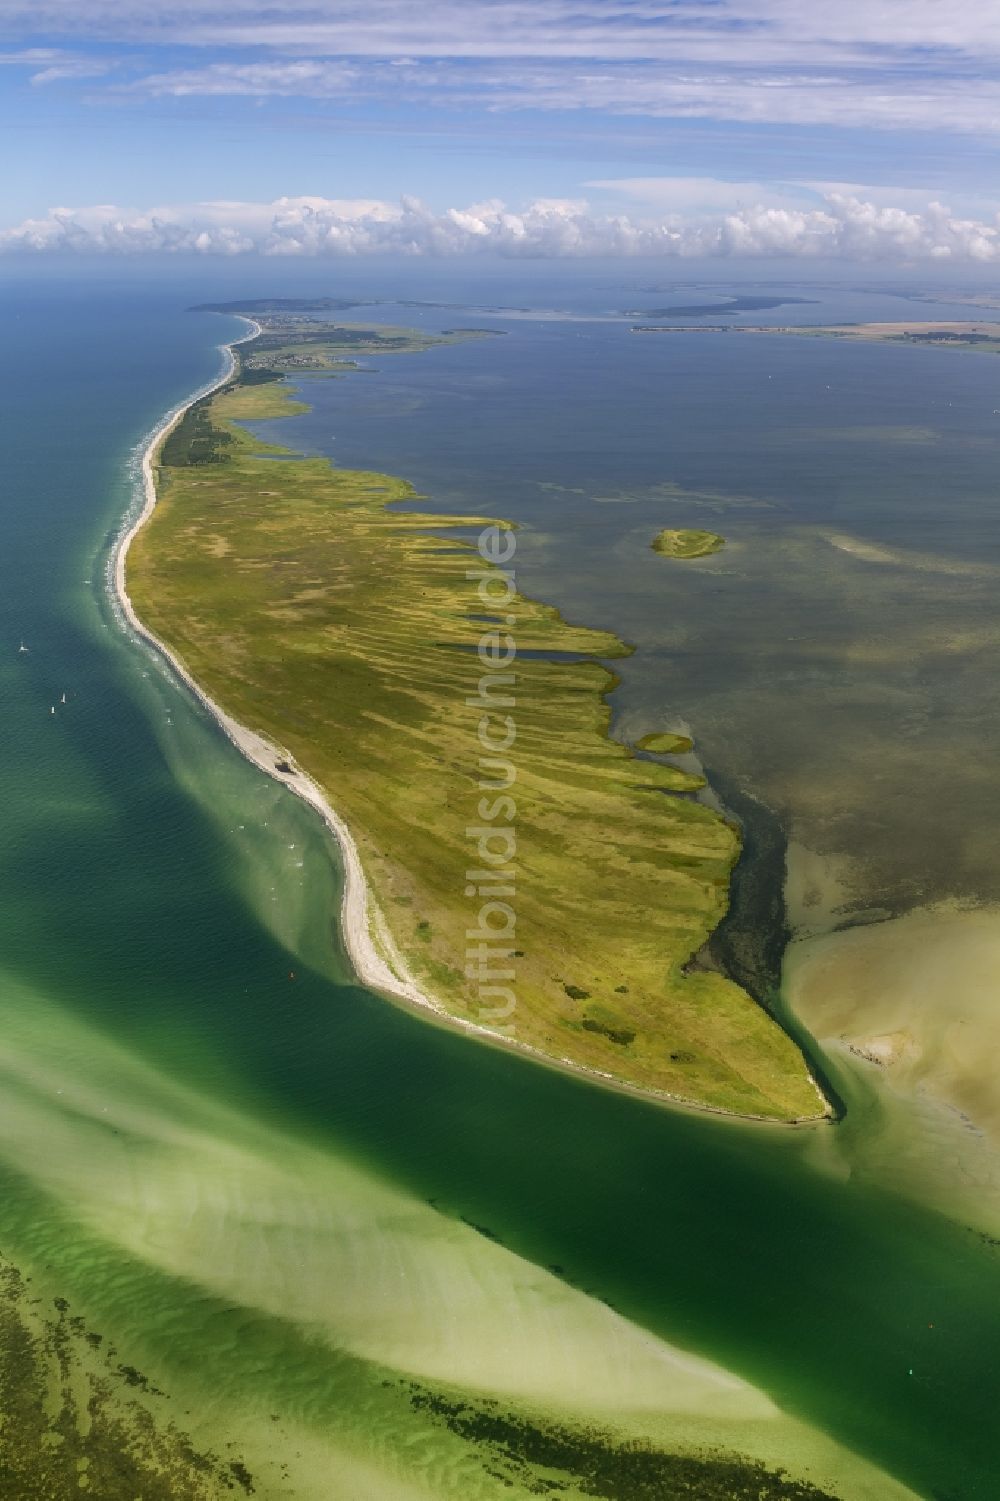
x=369 y=944
x=379 y=967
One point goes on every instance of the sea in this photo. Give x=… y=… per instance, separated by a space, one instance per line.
x=182 y=1040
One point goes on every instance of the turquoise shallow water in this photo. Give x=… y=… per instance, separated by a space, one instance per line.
x=152 y=900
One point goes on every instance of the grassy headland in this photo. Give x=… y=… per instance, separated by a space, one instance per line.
x=686 y=544
x=984 y=337
x=666 y=743
x=349 y=631
x=290 y=344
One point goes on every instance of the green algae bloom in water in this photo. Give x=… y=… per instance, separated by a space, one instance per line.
x=687 y=544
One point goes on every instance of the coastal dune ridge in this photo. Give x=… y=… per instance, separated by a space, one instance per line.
x=370 y=946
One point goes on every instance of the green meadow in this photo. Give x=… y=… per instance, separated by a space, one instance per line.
x=334 y=612
x=290 y=345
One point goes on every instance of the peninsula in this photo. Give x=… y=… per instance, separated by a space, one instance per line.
x=509 y=865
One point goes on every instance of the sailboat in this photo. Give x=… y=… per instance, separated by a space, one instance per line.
x=22 y=647
x=63 y=699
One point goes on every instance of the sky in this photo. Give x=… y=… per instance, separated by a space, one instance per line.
x=861 y=130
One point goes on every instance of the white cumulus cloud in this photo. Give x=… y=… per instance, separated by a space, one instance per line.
x=839 y=225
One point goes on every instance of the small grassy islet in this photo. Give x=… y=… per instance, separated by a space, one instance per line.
x=681 y=543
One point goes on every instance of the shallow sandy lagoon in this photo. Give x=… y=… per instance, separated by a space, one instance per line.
x=912 y=1007
x=257 y=1218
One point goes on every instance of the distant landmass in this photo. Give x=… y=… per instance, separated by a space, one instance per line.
x=707 y=309
x=284 y=305
x=984 y=337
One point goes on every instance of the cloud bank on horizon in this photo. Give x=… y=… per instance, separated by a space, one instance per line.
x=841 y=226
x=276 y=101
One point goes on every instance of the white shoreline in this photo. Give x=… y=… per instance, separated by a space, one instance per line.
x=379 y=966
x=357 y=913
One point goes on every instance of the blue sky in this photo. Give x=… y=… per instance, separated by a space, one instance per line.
x=866 y=128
